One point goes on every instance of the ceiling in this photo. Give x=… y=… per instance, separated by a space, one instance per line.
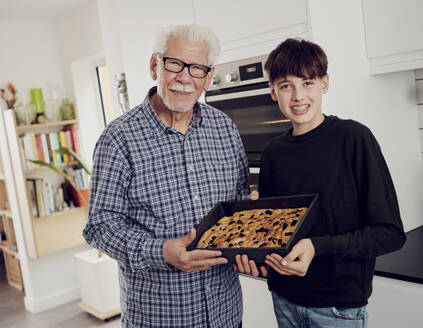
x=36 y=9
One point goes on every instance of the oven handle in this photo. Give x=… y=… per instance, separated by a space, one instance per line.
x=237 y=95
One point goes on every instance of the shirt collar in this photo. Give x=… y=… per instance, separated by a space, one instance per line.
x=157 y=123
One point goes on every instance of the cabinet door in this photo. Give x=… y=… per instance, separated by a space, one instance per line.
x=252 y=28
x=238 y=19
x=394 y=34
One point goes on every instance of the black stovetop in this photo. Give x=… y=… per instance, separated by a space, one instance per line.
x=406 y=263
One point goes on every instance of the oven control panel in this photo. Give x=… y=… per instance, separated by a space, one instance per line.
x=238 y=73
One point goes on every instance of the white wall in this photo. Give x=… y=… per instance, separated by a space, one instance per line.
x=139 y=22
x=29 y=57
x=385 y=103
x=110 y=30
x=79 y=36
x=53 y=280
x=39 y=53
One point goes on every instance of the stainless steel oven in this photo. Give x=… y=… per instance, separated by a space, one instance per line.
x=240 y=89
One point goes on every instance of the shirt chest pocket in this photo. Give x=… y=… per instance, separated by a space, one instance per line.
x=221 y=179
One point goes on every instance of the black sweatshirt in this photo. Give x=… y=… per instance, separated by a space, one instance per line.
x=359 y=216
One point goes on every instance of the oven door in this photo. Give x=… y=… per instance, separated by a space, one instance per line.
x=255 y=114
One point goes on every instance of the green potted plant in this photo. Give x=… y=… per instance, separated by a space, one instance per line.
x=65 y=150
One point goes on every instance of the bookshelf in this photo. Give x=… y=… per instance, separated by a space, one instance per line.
x=43 y=234
x=59 y=231
x=8 y=213
x=4 y=212
x=37 y=127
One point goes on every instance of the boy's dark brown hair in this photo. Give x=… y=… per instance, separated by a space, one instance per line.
x=300 y=58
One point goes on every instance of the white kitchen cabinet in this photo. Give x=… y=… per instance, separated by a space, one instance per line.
x=246 y=28
x=258 y=304
x=393 y=34
x=242 y=23
x=395 y=303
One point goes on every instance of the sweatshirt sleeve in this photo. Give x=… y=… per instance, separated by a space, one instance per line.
x=110 y=227
x=381 y=228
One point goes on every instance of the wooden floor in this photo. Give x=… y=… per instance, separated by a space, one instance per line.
x=14 y=315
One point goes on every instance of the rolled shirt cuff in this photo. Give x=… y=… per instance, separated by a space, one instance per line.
x=145 y=253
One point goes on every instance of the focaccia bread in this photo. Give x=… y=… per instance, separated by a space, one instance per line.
x=253 y=228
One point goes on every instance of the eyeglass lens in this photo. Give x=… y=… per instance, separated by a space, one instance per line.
x=176 y=66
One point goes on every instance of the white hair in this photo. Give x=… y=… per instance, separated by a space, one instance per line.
x=194 y=33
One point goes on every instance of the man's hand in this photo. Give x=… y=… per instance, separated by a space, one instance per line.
x=296 y=262
x=176 y=254
x=243 y=265
x=254 y=195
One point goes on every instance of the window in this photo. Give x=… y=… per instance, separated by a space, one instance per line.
x=105 y=93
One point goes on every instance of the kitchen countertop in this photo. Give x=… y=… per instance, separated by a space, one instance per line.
x=405 y=264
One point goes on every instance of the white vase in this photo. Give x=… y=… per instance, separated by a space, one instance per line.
x=98 y=281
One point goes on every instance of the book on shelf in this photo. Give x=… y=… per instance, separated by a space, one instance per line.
x=39 y=200
x=79 y=176
x=62 y=138
x=34 y=146
x=57 y=157
x=26 y=144
x=46 y=198
x=75 y=139
x=39 y=146
x=33 y=197
x=48 y=147
x=69 y=143
x=44 y=146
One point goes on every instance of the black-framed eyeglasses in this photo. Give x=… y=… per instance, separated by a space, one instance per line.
x=176 y=66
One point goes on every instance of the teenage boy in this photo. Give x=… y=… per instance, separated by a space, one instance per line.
x=326 y=280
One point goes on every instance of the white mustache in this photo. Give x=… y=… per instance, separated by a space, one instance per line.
x=181 y=87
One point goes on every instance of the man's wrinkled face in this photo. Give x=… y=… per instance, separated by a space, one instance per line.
x=180 y=91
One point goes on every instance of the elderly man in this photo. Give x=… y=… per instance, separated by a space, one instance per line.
x=158 y=170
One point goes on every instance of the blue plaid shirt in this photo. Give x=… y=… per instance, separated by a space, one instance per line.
x=150 y=183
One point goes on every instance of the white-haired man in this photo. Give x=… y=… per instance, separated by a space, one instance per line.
x=158 y=170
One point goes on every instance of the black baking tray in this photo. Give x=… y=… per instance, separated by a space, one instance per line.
x=259 y=254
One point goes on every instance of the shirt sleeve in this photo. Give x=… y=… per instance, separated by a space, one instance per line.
x=110 y=227
x=382 y=229
x=243 y=189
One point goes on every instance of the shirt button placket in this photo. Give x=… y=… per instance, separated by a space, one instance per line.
x=191 y=173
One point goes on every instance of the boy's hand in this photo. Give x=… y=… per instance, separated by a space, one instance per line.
x=243 y=265
x=296 y=262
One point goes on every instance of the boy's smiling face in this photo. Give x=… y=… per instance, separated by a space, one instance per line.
x=300 y=100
